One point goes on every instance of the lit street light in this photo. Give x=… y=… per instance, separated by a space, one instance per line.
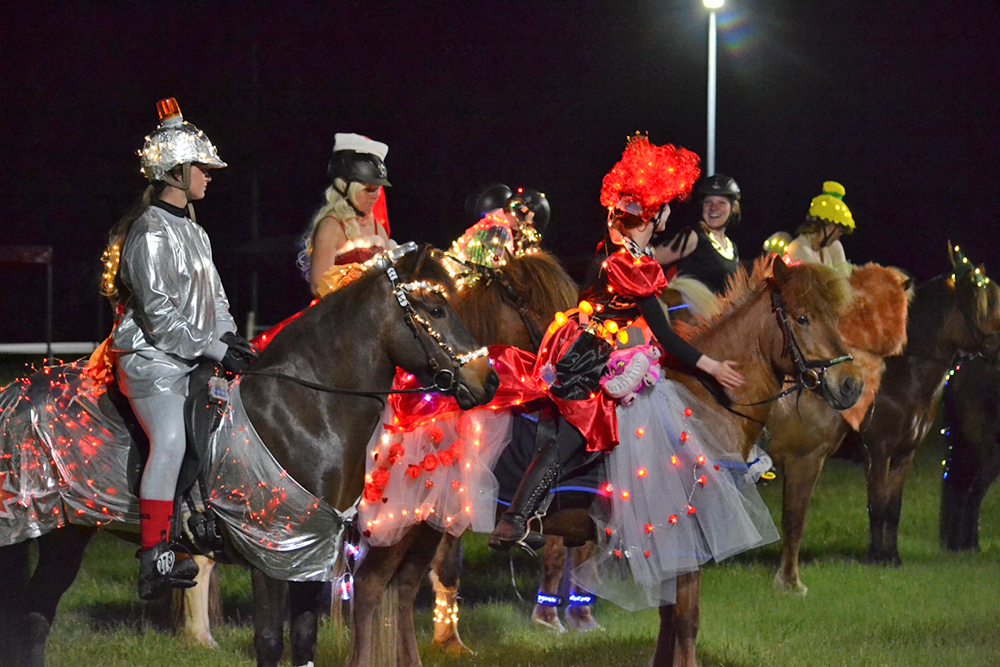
x=711 y=5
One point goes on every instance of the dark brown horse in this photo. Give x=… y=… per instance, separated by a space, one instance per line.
x=972 y=431
x=812 y=299
x=951 y=315
x=353 y=340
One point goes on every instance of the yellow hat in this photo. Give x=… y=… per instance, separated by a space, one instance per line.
x=830 y=206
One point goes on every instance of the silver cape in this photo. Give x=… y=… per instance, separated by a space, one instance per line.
x=178 y=309
x=63 y=460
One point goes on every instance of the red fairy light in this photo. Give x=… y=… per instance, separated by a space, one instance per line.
x=648 y=527
x=672 y=518
x=641 y=472
x=690 y=509
x=674 y=460
x=702 y=480
x=646 y=553
x=624 y=495
x=618 y=553
x=639 y=432
x=684 y=436
x=701 y=460
x=608 y=531
x=687 y=412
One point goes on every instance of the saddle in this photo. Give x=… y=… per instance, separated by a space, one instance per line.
x=203 y=411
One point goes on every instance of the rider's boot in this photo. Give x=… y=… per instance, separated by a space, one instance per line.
x=161 y=567
x=539 y=478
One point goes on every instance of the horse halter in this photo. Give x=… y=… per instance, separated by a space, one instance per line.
x=810 y=372
x=445 y=379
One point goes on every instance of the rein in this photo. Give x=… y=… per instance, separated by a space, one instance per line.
x=810 y=372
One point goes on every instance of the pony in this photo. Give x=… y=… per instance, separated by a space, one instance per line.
x=781 y=322
x=972 y=430
x=314 y=397
x=953 y=315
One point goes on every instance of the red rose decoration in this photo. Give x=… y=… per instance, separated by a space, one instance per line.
x=429 y=484
x=372 y=494
x=446 y=457
x=380 y=477
x=457 y=449
x=429 y=463
x=436 y=434
x=455 y=484
x=395 y=453
x=413 y=471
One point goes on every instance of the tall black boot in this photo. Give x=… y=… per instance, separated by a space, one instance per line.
x=539 y=478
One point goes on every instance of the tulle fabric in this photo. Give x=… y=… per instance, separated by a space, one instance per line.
x=670 y=513
x=440 y=472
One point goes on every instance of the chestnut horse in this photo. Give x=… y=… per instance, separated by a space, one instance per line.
x=779 y=325
x=314 y=399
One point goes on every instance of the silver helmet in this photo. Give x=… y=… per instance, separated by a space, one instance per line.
x=175 y=142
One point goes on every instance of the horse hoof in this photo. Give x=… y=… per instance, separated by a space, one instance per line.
x=454 y=647
x=579 y=619
x=547 y=617
x=795 y=586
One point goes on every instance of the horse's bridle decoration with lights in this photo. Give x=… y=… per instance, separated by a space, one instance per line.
x=445 y=380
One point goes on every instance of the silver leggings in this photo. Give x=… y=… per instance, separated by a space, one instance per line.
x=162 y=418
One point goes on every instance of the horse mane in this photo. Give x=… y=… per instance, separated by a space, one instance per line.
x=812 y=287
x=538 y=279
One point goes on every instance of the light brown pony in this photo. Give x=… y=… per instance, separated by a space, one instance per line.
x=814 y=298
x=804 y=431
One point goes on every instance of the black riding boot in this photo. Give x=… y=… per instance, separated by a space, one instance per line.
x=539 y=478
x=161 y=568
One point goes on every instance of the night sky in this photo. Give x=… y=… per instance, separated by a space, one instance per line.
x=896 y=100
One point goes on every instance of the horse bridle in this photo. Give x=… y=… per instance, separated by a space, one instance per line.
x=445 y=380
x=810 y=373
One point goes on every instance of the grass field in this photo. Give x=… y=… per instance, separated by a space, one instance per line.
x=937 y=610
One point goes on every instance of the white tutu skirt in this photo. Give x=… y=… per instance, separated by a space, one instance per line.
x=677 y=499
x=441 y=473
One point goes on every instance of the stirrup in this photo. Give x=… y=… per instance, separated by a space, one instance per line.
x=532 y=541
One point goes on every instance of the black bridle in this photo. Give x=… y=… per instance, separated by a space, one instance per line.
x=809 y=373
x=445 y=380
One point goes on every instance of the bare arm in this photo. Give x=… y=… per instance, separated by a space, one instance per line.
x=327 y=240
x=677 y=248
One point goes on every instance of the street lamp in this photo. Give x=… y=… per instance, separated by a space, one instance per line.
x=711 y=5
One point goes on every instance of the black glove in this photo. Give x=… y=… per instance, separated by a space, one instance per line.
x=239 y=355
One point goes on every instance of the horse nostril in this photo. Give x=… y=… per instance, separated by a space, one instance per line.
x=851 y=386
x=492 y=382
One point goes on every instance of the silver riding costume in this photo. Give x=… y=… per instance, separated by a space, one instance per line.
x=177 y=311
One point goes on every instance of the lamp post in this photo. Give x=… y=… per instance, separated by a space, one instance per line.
x=711 y=5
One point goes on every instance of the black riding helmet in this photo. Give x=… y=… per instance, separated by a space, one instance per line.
x=721 y=185
x=536 y=202
x=355 y=167
x=485 y=199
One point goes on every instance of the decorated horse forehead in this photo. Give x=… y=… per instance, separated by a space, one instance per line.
x=962 y=268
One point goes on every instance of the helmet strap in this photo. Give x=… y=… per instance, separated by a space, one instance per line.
x=184 y=183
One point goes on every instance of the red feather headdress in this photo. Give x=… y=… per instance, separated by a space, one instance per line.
x=650 y=176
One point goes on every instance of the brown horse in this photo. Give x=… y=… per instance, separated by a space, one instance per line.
x=951 y=315
x=803 y=431
x=295 y=397
x=809 y=301
x=972 y=429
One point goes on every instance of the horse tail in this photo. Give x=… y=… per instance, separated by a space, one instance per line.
x=385 y=630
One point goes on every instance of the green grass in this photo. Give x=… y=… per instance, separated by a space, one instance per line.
x=937 y=609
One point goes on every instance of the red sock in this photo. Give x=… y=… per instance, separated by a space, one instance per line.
x=154 y=520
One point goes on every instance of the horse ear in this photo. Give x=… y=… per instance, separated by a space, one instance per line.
x=951 y=253
x=779 y=269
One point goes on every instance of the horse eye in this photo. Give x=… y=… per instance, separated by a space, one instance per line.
x=802 y=319
x=437 y=312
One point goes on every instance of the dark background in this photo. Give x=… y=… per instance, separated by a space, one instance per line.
x=896 y=100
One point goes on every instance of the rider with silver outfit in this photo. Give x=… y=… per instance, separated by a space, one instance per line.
x=173 y=312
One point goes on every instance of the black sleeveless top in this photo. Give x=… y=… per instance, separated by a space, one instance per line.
x=707 y=265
